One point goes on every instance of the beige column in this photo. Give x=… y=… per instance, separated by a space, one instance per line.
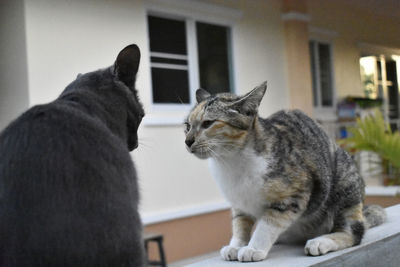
x=295 y=19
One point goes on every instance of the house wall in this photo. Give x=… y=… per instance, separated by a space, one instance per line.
x=13 y=70
x=352 y=24
x=65 y=38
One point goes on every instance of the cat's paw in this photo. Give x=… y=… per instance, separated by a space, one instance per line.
x=229 y=253
x=320 y=246
x=251 y=254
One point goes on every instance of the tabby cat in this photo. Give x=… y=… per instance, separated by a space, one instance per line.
x=68 y=189
x=282 y=174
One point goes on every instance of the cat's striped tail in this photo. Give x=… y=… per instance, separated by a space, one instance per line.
x=374 y=215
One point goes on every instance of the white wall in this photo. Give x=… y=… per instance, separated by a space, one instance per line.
x=13 y=70
x=259 y=53
x=65 y=38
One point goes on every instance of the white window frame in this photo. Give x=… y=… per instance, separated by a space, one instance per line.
x=190 y=12
x=324 y=113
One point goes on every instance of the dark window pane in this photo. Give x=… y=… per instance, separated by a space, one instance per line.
x=379 y=70
x=167 y=35
x=213 y=52
x=169 y=60
x=380 y=87
x=313 y=74
x=325 y=74
x=393 y=92
x=170 y=86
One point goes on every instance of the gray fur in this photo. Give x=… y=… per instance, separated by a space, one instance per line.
x=68 y=186
x=374 y=215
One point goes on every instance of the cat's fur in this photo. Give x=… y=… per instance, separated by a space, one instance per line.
x=281 y=173
x=68 y=188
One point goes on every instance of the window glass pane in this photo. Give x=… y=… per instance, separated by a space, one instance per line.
x=325 y=73
x=214 y=57
x=169 y=60
x=167 y=35
x=170 y=86
x=313 y=73
x=393 y=92
x=368 y=72
x=169 y=64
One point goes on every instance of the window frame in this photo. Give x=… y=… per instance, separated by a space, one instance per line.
x=173 y=114
x=324 y=113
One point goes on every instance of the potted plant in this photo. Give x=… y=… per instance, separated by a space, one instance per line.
x=373 y=134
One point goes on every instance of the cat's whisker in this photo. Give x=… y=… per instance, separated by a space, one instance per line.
x=219 y=157
x=223 y=143
x=180 y=99
x=146 y=139
x=145 y=145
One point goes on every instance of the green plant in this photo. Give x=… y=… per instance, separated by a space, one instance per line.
x=373 y=134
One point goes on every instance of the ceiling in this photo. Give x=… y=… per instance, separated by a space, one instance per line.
x=388 y=8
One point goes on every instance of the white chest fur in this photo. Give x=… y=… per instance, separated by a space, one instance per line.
x=239 y=177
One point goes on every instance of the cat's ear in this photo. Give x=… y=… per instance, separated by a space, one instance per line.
x=201 y=95
x=249 y=103
x=127 y=64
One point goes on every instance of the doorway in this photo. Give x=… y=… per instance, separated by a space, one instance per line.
x=380 y=78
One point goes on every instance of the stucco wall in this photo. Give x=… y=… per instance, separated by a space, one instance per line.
x=65 y=38
x=13 y=70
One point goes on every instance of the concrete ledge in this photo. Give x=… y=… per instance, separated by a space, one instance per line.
x=379 y=247
x=389 y=191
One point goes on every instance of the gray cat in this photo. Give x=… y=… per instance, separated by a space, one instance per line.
x=281 y=173
x=68 y=189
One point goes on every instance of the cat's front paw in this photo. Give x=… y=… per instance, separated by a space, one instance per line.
x=229 y=253
x=320 y=246
x=251 y=254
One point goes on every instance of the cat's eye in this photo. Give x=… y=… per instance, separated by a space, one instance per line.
x=206 y=124
x=187 y=127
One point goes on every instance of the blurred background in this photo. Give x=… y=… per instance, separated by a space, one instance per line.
x=336 y=60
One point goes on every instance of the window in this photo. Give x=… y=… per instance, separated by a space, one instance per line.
x=322 y=78
x=213 y=57
x=185 y=55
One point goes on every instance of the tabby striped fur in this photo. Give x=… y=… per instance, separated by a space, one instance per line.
x=282 y=175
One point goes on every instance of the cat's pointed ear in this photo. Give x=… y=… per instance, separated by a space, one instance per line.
x=127 y=64
x=201 y=95
x=249 y=103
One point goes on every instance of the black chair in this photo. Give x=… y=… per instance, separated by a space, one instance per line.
x=158 y=238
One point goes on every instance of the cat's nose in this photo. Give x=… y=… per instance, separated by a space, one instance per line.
x=189 y=142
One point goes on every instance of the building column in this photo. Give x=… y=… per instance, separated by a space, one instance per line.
x=295 y=20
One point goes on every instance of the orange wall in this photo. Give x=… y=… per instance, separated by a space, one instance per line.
x=193 y=236
x=298 y=61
